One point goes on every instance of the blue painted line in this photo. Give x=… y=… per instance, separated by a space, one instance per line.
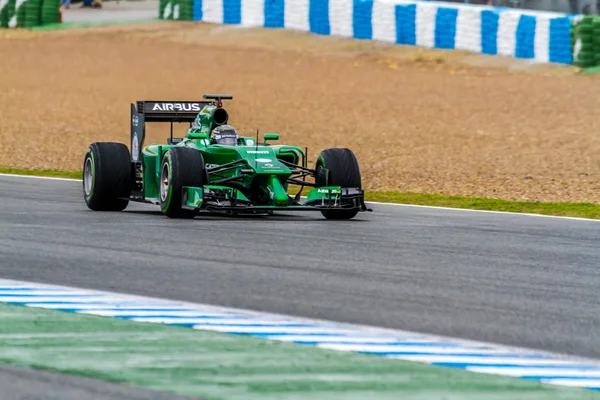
x=199 y=316
x=362 y=19
x=318 y=17
x=65 y=295
x=408 y=344
x=445 y=27
x=489 y=32
x=406 y=28
x=269 y=334
x=245 y=333
x=109 y=307
x=112 y=304
x=9 y=289
x=23 y=302
x=291 y=325
x=232 y=11
x=133 y=309
x=525 y=46
x=577 y=378
x=92 y=310
x=262 y=335
x=368 y=343
x=44 y=305
x=560 y=41
x=197 y=14
x=412 y=353
x=274 y=13
x=523 y=366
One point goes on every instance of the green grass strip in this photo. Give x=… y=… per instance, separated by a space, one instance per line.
x=43 y=172
x=580 y=210
x=217 y=366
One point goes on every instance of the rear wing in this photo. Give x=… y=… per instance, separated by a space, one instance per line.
x=159 y=111
x=165 y=111
x=170 y=111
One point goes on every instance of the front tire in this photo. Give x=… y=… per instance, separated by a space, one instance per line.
x=180 y=167
x=107 y=176
x=342 y=171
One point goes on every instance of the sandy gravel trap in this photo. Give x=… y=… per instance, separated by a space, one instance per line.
x=418 y=120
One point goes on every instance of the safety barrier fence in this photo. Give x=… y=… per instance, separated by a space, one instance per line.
x=28 y=13
x=545 y=37
x=585 y=39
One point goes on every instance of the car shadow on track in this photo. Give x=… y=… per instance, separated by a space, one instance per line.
x=248 y=217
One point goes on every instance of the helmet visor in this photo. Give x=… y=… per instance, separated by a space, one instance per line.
x=229 y=138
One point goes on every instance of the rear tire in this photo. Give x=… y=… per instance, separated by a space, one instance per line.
x=180 y=167
x=107 y=176
x=343 y=171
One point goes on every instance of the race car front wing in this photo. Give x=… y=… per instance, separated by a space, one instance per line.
x=223 y=198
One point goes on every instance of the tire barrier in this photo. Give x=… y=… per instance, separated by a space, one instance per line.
x=585 y=38
x=181 y=10
x=28 y=13
x=543 y=37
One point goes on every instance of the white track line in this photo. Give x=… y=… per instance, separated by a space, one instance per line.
x=485 y=211
x=41 y=177
x=377 y=203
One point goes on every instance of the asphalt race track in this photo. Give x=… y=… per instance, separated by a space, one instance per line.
x=511 y=279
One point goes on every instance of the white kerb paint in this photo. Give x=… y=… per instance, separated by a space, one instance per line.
x=425 y=24
x=542 y=39
x=296 y=15
x=468 y=29
x=383 y=21
x=507 y=33
x=340 y=18
x=253 y=13
x=212 y=11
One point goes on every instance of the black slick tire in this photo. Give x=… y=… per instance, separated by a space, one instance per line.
x=107 y=176
x=180 y=167
x=343 y=171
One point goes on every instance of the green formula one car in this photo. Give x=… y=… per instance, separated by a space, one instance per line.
x=214 y=169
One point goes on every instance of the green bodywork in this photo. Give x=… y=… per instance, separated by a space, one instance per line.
x=250 y=173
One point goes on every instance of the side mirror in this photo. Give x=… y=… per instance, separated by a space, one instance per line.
x=197 y=135
x=270 y=136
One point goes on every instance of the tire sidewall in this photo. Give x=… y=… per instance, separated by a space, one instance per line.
x=94 y=199
x=89 y=198
x=181 y=173
x=166 y=206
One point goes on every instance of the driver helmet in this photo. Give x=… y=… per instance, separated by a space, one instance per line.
x=224 y=134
